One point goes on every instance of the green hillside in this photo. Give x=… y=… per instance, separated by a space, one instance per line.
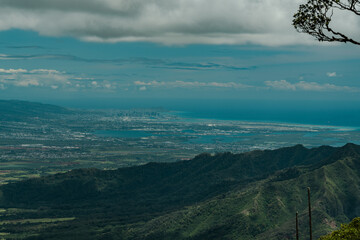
x=15 y=110
x=225 y=196
x=266 y=209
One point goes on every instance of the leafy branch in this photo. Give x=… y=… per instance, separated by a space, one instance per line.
x=315 y=16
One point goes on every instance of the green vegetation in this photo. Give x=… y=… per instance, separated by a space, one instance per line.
x=39 y=220
x=349 y=231
x=253 y=195
x=14 y=110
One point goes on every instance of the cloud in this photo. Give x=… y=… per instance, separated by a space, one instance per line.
x=32 y=78
x=49 y=78
x=280 y=85
x=48 y=71
x=190 y=84
x=266 y=22
x=331 y=74
x=151 y=83
x=108 y=85
x=27 y=83
x=308 y=86
x=12 y=70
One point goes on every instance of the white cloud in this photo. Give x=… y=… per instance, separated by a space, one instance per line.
x=83 y=78
x=331 y=74
x=266 y=22
x=51 y=79
x=12 y=70
x=143 y=88
x=281 y=85
x=151 y=83
x=27 y=83
x=4 y=56
x=108 y=85
x=34 y=78
x=308 y=86
x=48 y=71
x=188 y=84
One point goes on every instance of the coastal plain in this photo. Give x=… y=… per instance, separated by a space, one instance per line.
x=41 y=139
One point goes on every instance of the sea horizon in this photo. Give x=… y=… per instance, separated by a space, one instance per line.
x=338 y=114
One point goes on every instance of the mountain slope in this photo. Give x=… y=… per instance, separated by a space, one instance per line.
x=230 y=196
x=15 y=110
x=266 y=209
x=179 y=183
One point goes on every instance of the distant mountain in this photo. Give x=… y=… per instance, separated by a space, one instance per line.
x=15 y=110
x=252 y=195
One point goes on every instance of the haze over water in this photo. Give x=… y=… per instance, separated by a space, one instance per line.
x=331 y=113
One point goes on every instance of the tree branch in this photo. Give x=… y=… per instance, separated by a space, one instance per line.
x=315 y=17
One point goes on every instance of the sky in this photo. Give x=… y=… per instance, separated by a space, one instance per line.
x=163 y=52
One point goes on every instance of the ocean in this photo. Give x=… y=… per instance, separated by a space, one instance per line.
x=329 y=113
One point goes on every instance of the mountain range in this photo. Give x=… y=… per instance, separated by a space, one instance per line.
x=252 y=195
x=16 y=110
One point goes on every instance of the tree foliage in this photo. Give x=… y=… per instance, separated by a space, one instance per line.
x=349 y=231
x=315 y=17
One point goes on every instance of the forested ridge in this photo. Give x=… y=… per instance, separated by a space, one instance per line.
x=252 y=195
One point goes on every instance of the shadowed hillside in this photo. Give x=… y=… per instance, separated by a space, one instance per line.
x=266 y=209
x=15 y=110
x=230 y=196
